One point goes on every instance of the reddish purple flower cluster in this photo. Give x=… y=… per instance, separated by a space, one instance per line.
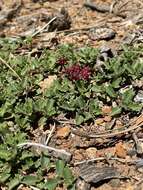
x=73 y=72
x=62 y=61
x=76 y=72
x=85 y=73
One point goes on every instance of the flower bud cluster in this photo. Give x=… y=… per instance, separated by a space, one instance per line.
x=76 y=72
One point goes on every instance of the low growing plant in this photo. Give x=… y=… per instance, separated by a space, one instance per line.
x=79 y=92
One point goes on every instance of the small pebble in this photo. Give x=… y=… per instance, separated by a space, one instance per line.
x=91 y=152
x=63 y=132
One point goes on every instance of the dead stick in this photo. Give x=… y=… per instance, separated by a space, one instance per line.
x=109 y=135
x=43 y=146
x=104 y=158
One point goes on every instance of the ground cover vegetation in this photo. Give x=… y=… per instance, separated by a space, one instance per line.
x=79 y=91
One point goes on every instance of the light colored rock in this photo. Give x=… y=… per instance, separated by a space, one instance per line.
x=47 y=82
x=63 y=132
x=91 y=152
x=106 y=110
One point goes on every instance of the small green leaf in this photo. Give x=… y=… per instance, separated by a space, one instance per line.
x=116 y=83
x=87 y=116
x=79 y=119
x=26 y=154
x=42 y=121
x=68 y=177
x=4 y=177
x=41 y=185
x=129 y=68
x=67 y=106
x=116 y=111
x=135 y=106
x=14 y=182
x=30 y=180
x=5 y=168
x=60 y=164
x=110 y=91
x=94 y=107
x=51 y=184
x=45 y=162
x=5 y=154
x=5 y=108
x=80 y=102
x=97 y=88
x=28 y=164
x=127 y=96
x=50 y=108
x=51 y=62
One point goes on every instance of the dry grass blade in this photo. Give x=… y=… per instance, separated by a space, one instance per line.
x=50 y=134
x=6 y=64
x=45 y=26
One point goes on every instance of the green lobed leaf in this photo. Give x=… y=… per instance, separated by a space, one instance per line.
x=4 y=177
x=68 y=177
x=14 y=182
x=135 y=106
x=116 y=111
x=79 y=119
x=45 y=162
x=60 y=164
x=30 y=180
x=110 y=91
x=51 y=184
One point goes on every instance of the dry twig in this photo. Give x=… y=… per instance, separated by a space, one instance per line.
x=50 y=134
x=44 y=147
x=132 y=126
x=105 y=158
